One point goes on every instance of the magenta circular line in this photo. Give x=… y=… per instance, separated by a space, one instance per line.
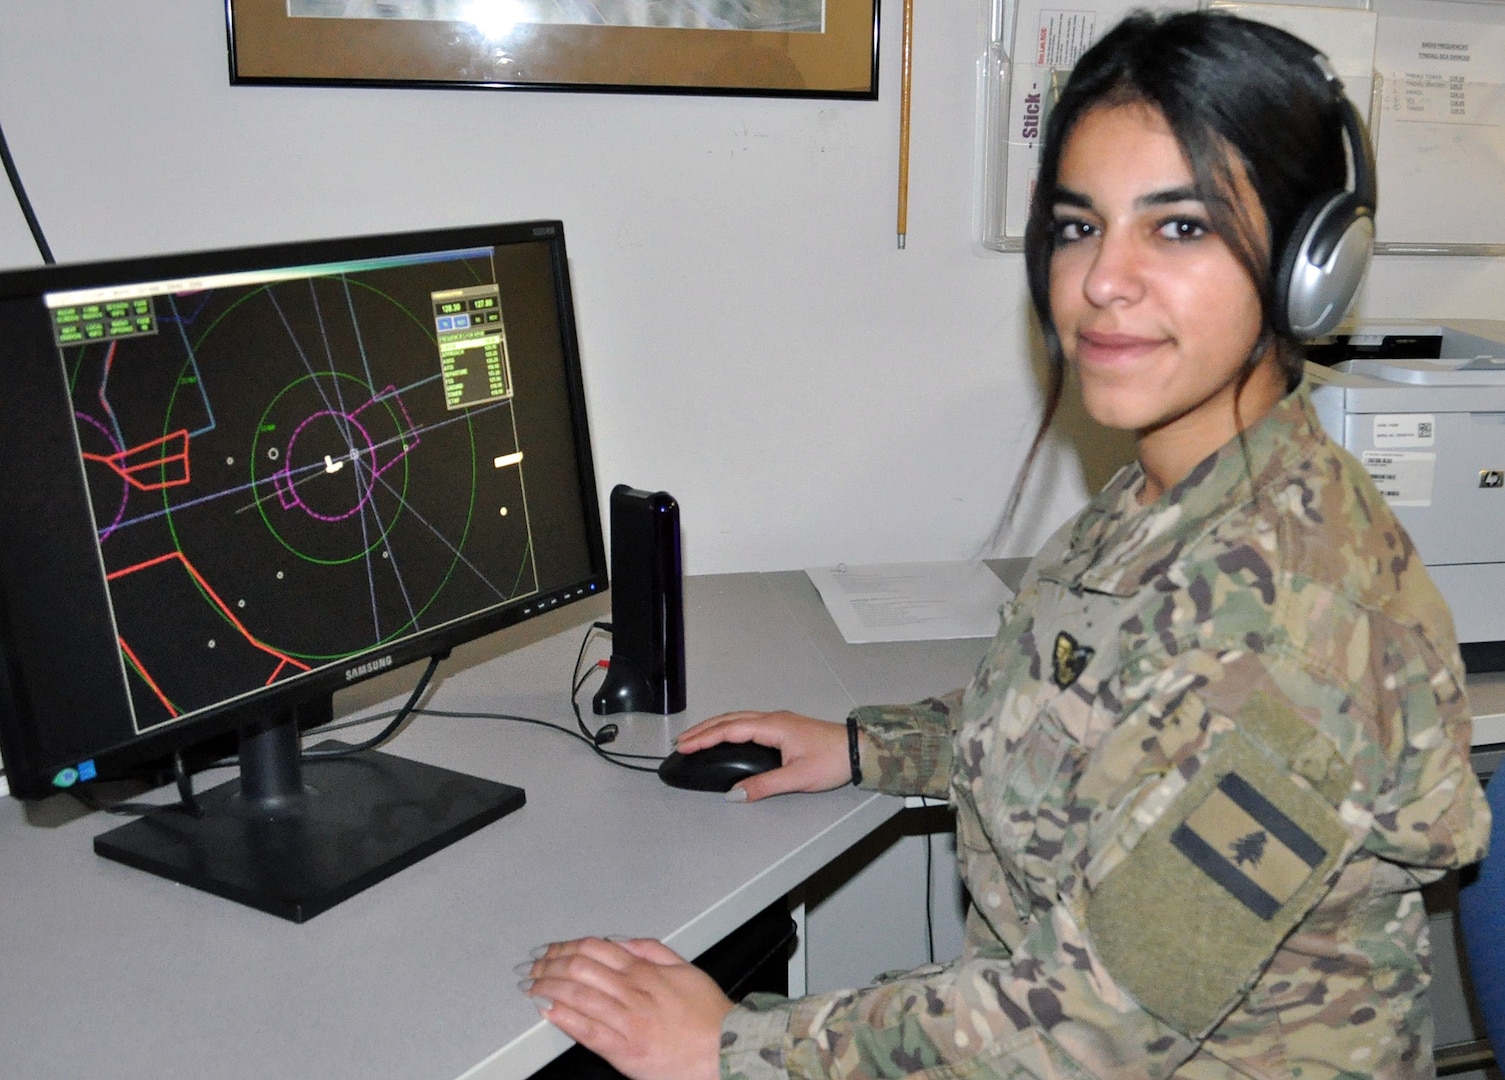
x=288 y=468
x=125 y=485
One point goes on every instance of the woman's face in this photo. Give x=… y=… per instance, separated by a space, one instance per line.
x=1155 y=313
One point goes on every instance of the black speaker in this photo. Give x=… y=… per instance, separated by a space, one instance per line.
x=647 y=668
x=1323 y=264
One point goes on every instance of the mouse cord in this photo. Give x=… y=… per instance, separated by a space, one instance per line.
x=585 y=735
x=614 y=756
x=606 y=732
x=512 y=718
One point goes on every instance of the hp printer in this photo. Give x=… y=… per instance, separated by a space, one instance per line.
x=1422 y=406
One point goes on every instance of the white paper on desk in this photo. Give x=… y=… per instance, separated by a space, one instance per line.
x=911 y=601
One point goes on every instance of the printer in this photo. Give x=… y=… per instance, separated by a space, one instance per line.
x=1422 y=406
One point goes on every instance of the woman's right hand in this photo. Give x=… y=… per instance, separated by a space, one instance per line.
x=814 y=751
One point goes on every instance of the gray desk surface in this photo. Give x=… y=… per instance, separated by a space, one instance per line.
x=114 y=973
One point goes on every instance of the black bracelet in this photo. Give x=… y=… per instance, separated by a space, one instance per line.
x=852 y=750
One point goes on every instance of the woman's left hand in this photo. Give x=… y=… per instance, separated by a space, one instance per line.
x=636 y=1003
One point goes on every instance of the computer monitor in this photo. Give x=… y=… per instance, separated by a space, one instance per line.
x=235 y=482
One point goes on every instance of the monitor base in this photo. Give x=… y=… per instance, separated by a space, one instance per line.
x=358 y=819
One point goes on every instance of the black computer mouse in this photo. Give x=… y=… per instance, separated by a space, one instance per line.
x=717 y=768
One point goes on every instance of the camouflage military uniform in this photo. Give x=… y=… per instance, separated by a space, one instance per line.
x=1216 y=747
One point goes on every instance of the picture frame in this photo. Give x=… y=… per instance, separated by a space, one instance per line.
x=789 y=48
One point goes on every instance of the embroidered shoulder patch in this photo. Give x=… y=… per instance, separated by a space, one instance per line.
x=1241 y=840
x=1071 y=659
x=1187 y=919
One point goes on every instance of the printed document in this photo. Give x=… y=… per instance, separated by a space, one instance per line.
x=911 y=601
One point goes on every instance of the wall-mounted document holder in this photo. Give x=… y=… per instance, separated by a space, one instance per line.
x=1441 y=128
x=1033 y=49
x=1428 y=74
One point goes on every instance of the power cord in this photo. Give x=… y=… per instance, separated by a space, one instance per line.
x=181 y=776
x=25 y=203
x=184 y=779
x=398 y=719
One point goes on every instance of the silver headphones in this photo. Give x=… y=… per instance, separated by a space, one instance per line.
x=1324 y=261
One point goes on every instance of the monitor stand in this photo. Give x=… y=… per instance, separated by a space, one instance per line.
x=294 y=837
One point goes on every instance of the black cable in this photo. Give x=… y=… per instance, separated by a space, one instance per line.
x=584 y=735
x=89 y=802
x=397 y=721
x=134 y=809
x=593 y=739
x=184 y=778
x=929 y=898
x=513 y=718
x=606 y=732
x=26 y=211
x=341 y=725
x=85 y=796
x=399 y=716
x=409 y=708
x=613 y=755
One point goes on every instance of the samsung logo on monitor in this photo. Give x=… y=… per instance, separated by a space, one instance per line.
x=370 y=667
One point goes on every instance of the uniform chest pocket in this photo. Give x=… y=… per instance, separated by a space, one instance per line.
x=1026 y=802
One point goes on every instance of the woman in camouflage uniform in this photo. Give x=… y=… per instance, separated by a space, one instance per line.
x=1221 y=739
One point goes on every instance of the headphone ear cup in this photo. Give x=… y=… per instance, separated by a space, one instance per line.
x=1322 y=266
x=1297 y=243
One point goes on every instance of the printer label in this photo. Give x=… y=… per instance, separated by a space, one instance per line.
x=1395 y=430
x=1405 y=479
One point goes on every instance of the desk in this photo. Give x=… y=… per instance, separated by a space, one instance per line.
x=114 y=973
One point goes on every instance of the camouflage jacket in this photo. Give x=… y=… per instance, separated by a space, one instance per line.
x=1216 y=747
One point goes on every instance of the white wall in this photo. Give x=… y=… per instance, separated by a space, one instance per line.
x=753 y=341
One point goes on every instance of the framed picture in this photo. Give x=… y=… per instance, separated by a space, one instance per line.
x=794 y=48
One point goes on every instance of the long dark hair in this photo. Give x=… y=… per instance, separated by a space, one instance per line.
x=1232 y=91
